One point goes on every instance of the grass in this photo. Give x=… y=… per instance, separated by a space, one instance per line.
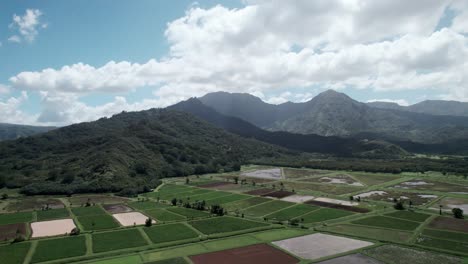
x=134 y=259
x=411 y=216
x=147 y=205
x=397 y=254
x=324 y=214
x=370 y=232
x=189 y=213
x=169 y=261
x=224 y=224
x=14 y=253
x=52 y=214
x=97 y=222
x=115 y=240
x=163 y=215
x=443 y=244
x=374 y=179
x=387 y=222
x=242 y=204
x=59 y=248
x=460 y=237
x=279 y=234
x=227 y=199
x=266 y=208
x=86 y=211
x=207 y=196
x=170 y=232
x=292 y=212
x=14 y=218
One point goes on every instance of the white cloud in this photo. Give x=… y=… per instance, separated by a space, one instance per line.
x=27 y=25
x=268 y=46
x=12 y=113
x=401 y=102
x=4 y=89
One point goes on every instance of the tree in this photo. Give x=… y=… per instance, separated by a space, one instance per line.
x=174 y=201
x=457 y=213
x=148 y=222
x=399 y=205
x=351 y=198
x=217 y=210
x=75 y=231
x=440 y=209
x=236 y=180
x=187 y=180
x=4 y=196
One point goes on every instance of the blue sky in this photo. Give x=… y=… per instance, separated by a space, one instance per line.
x=107 y=56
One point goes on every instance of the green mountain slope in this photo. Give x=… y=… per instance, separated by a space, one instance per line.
x=13 y=131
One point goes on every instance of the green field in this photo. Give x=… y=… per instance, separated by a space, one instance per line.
x=410 y=216
x=224 y=224
x=86 y=211
x=387 y=222
x=163 y=215
x=169 y=261
x=242 y=204
x=398 y=254
x=374 y=179
x=443 y=244
x=52 y=214
x=59 y=248
x=147 y=205
x=324 y=214
x=266 y=208
x=189 y=213
x=460 y=237
x=14 y=218
x=133 y=259
x=97 y=222
x=370 y=232
x=292 y=212
x=170 y=232
x=115 y=240
x=227 y=199
x=14 y=253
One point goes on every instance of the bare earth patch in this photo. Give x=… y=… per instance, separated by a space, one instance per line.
x=52 y=228
x=264 y=174
x=10 y=231
x=278 y=194
x=319 y=245
x=130 y=219
x=449 y=203
x=336 y=201
x=369 y=194
x=298 y=198
x=117 y=208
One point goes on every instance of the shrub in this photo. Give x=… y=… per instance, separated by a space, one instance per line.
x=457 y=213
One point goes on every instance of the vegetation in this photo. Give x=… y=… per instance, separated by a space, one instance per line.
x=171 y=232
x=387 y=222
x=115 y=240
x=52 y=214
x=457 y=213
x=13 y=218
x=62 y=248
x=14 y=253
x=323 y=214
x=223 y=225
x=97 y=222
x=408 y=215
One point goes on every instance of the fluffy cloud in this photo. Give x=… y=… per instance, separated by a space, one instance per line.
x=268 y=46
x=401 y=102
x=27 y=25
x=11 y=111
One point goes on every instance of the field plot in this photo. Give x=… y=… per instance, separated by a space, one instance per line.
x=34 y=203
x=296 y=198
x=266 y=208
x=370 y=232
x=460 y=237
x=14 y=253
x=278 y=194
x=262 y=191
x=324 y=188
x=227 y=199
x=343 y=179
x=429 y=185
x=163 y=215
x=451 y=224
x=52 y=228
x=62 y=248
x=131 y=219
x=374 y=179
x=80 y=200
x=171 y=232
x=319 y=245
x=90 y=210
x=224 y=224
x=291 y=173
x=14 y=218
x=336 y=201
x=449 y=203
x=387 y=222
x=323 y=214
x=443 y=244
x=337 y=205
x=408 y=215
x=255 y=254
x=97 y=222
x=10 y=231
x=388 y=196
x=170 y=261
x=242 y=204
x=189 y=213
x=52 y=214
x=292 y=212
x=351 y=259
x=147 y=205
x=274 y=174
x=117 y=208
x=387 y=253
x=218 y=185
x=115 y=240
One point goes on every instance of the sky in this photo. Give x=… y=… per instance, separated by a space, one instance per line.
x=63 y=62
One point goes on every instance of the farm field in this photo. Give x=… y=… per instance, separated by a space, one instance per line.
x=182 y=234
x=387 y=253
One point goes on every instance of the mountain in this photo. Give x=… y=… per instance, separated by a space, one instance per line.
x=432 y=107
x=13 y=131
x=128 y=153
x=335 y=114
x=307 y=143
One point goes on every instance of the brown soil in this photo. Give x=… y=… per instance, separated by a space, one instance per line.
x=117 y=208
x=78 y=200
x=260 y=191
x=279 y=194
x=29 y=204
x=256 y=254
x=216 y=184
x=452 y=224
x=339 y=206
x=8 y=232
